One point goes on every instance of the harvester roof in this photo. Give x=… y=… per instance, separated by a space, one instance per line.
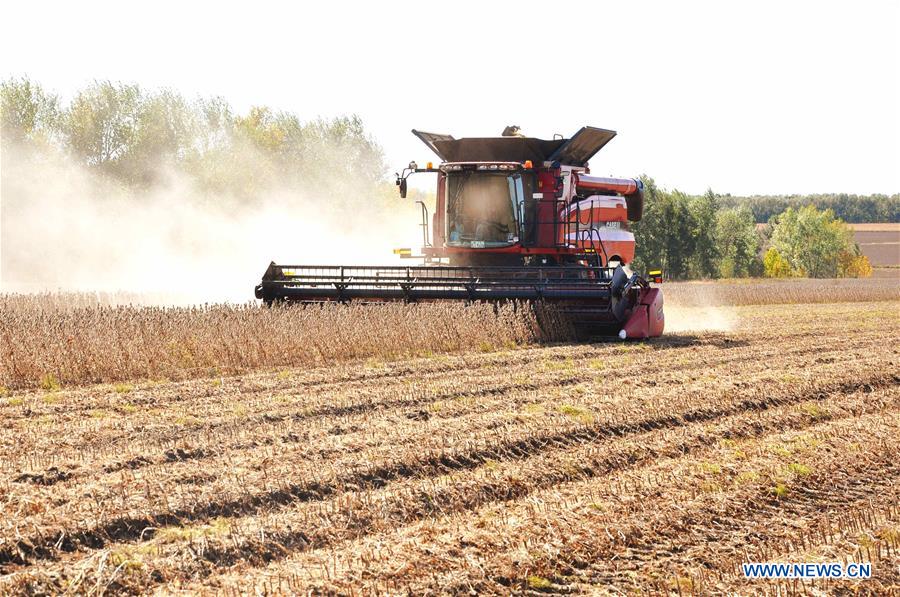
x=575 y=151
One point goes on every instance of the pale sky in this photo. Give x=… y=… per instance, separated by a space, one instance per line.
x=743 y=97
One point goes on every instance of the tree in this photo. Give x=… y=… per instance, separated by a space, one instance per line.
x=164 y=133
x=854 y=265
x=27 y=112
x=705 y=256
x=101 y=123
x=737 y=242
x=812 y=241
x=666 y=233
x=339 y=148
x=850 y=208
x=261 y=128
x=776 y=266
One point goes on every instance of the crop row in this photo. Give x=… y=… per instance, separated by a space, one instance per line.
x=110 y=419
x=406 y=413
x=248 y=483
x=620 y=482
x=525 y=417
x=676 y=517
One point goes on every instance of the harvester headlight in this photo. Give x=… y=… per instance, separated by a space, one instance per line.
x=495 y=167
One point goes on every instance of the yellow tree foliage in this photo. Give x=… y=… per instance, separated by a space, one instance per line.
x=775 y=265
x=854 y=265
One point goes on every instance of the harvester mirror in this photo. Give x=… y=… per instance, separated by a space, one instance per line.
x=402 y=183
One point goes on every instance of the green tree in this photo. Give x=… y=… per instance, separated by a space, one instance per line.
x=130 y=134
x=850 y=208
x=101 y=123
x=812 y=241
x=705 y=254
x=27 y=112
x=737 y=242
x=262 y=128
x=665 y=234
x=164 y=133
x=338 y=149
x=212 y=160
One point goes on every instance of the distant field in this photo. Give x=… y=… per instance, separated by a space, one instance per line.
x=877 y=227
x=879 y=242
x=887 y=273
x=755 y=291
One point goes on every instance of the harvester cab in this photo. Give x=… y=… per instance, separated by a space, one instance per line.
x=516 y=219
x=518 y=200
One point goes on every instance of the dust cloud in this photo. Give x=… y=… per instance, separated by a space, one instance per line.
x=699 y=306
x=65 y=228
x=699 y=319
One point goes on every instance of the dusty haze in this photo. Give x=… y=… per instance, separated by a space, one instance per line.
x=66 y=228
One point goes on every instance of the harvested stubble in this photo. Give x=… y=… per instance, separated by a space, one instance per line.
x=654 y=467
x=45 y=345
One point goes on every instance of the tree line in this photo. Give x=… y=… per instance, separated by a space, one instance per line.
x=855 y=209
x=709 y=236
x=138 y=137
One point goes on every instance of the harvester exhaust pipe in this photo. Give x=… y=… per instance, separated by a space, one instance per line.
x=630 y=188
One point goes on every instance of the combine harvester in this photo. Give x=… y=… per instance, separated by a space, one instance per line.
x=517 y=219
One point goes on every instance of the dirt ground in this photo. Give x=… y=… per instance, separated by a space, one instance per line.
x=608 y=468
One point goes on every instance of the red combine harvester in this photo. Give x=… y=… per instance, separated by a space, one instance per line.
x=516 y=219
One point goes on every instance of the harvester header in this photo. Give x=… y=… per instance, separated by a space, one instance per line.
x=516 y=219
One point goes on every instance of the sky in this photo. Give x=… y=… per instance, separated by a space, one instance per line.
x=742 y=97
